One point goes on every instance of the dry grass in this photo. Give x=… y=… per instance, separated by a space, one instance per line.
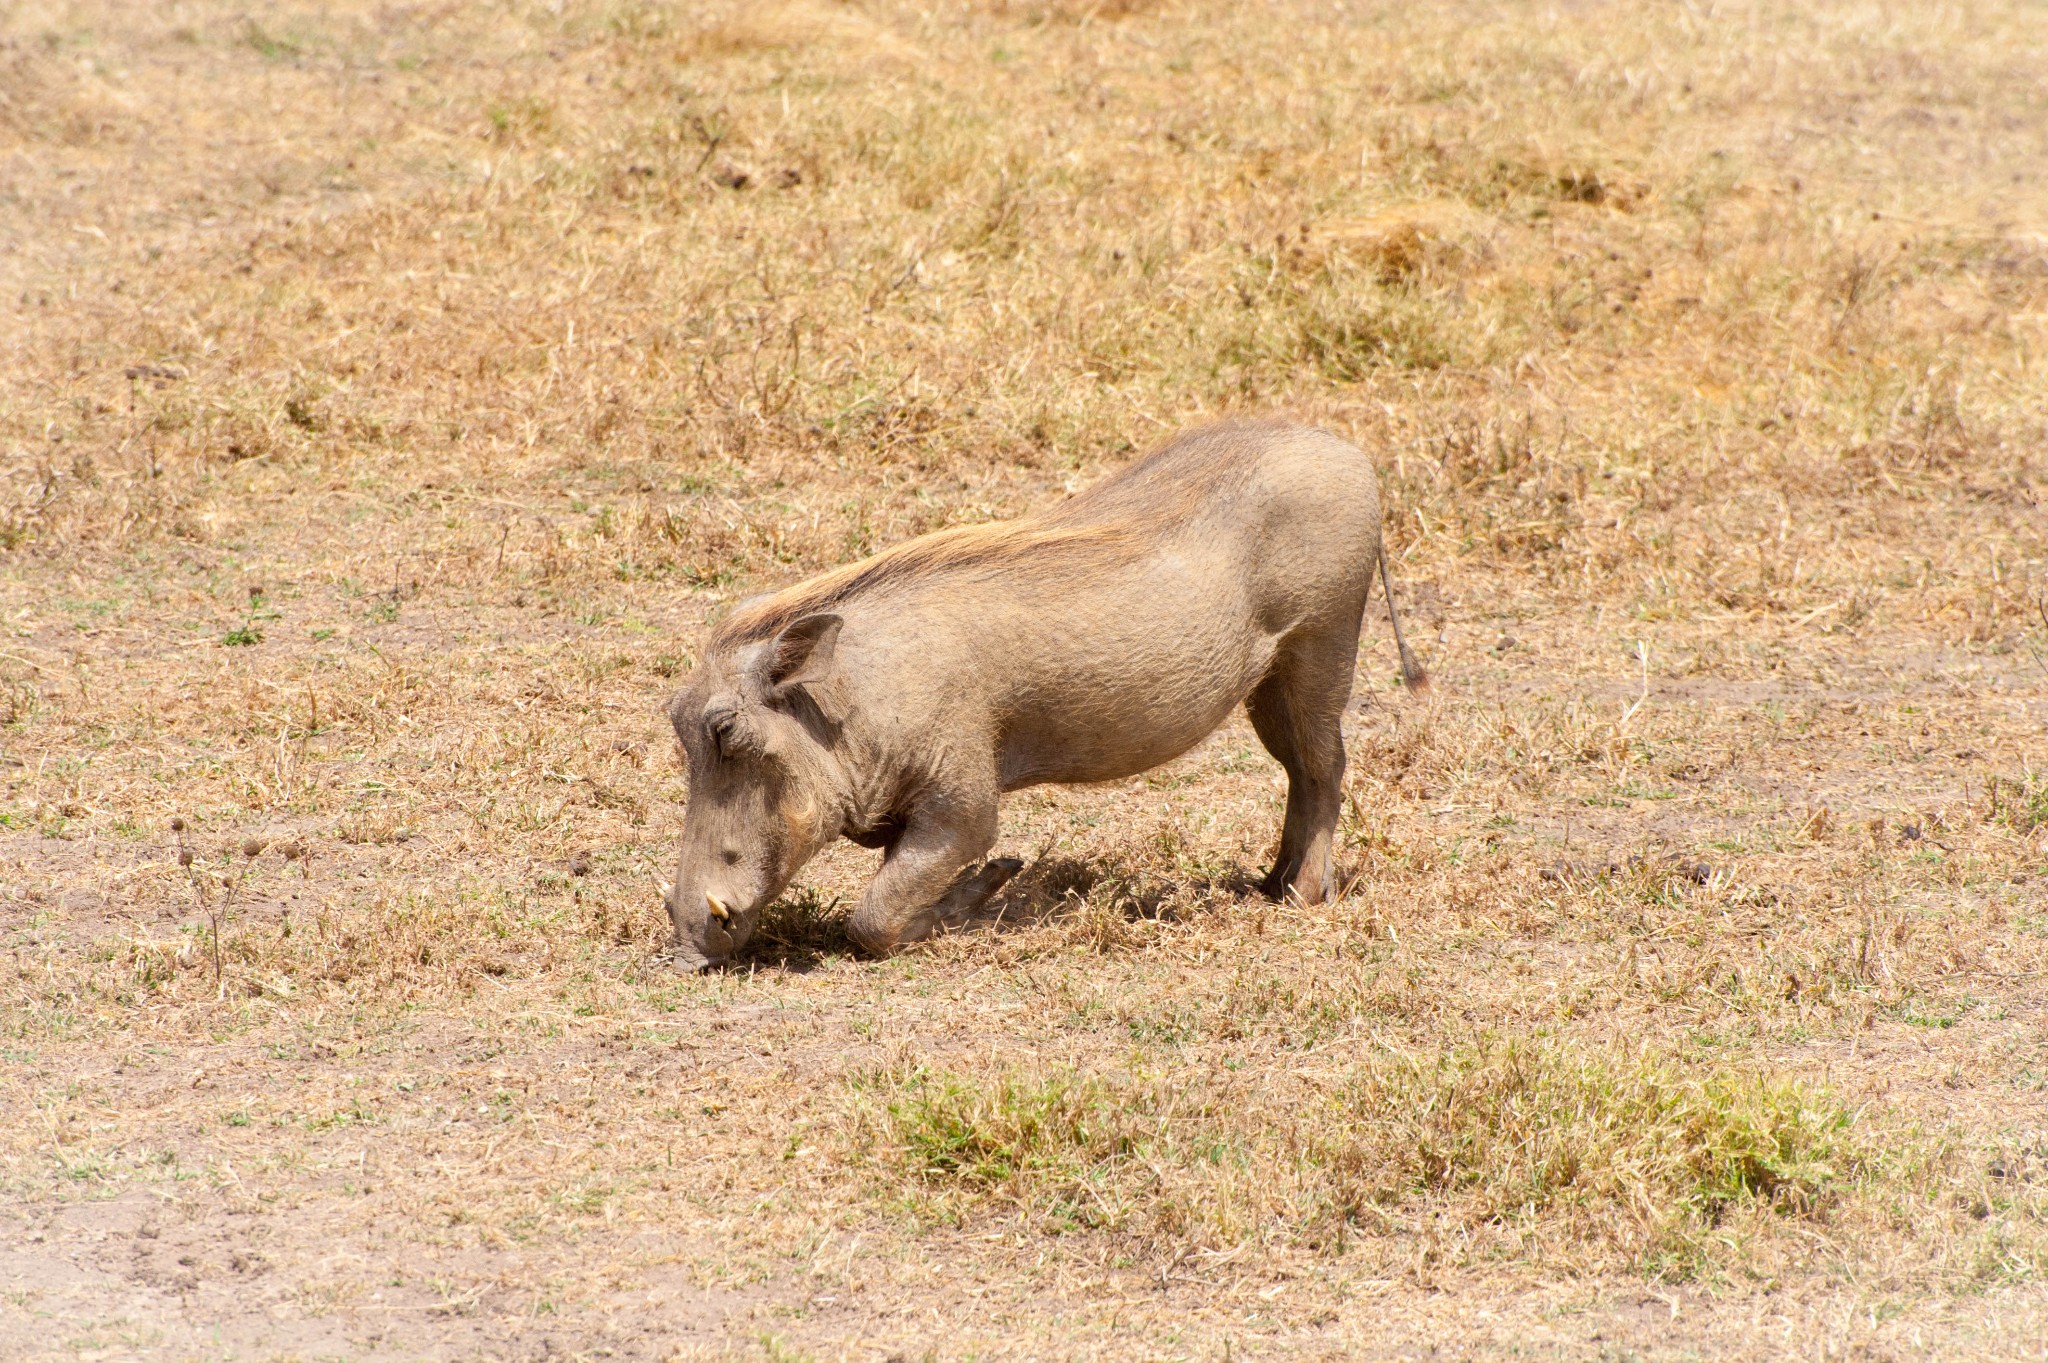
x=388 y=397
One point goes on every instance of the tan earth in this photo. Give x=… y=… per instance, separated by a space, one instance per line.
x=390 y=395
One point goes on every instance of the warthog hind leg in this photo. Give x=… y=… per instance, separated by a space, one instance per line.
x=1298 y=712
x=970 y=892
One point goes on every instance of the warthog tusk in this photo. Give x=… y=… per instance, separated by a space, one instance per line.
x=717 y=907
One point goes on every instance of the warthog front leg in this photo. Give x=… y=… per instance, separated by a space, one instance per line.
x=930 y=879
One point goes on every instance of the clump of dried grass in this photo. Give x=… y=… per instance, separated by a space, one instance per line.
x=801 y=24
x=1066 y=11
x=2020 y=803
x=1401 y=240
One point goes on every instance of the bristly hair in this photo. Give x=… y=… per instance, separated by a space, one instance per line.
x=1049 y=553
x=1104 y=523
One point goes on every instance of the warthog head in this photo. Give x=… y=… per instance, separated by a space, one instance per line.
x=763 y=798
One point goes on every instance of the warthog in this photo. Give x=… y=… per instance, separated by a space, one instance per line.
x=893 y=700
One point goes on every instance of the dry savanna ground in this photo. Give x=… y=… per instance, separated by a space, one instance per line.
x=390 y=393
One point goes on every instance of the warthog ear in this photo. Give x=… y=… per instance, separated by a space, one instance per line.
x=802 y=652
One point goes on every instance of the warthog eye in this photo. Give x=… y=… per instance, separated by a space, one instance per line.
x=723 y=725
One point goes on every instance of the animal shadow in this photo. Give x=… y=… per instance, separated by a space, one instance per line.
x=803 y=929
x=1059 y=887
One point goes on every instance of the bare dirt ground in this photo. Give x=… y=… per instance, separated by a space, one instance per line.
x=389 y=395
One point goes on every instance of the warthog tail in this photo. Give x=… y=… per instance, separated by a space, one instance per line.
x=1412 y=674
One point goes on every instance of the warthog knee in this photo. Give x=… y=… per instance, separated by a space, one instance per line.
x=873 y=939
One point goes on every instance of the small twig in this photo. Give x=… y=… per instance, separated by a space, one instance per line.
x=1643 y=657
x=216 y=914
x=2041 y=605
x=199 y=887
x=1860 y=275
x=1819 y=611
x=227 y=907
x=712 y=142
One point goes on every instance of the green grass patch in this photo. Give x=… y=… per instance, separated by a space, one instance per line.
x=1524 y=1144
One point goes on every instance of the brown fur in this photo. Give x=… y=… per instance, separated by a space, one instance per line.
x=895 y=699
x=1090 y=532
x=961 y=551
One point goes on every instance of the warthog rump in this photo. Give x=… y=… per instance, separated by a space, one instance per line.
x=894 y=700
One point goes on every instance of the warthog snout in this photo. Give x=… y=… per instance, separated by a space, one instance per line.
x=698 y=951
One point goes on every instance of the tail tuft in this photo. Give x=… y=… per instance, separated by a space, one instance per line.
x=1412 y=674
